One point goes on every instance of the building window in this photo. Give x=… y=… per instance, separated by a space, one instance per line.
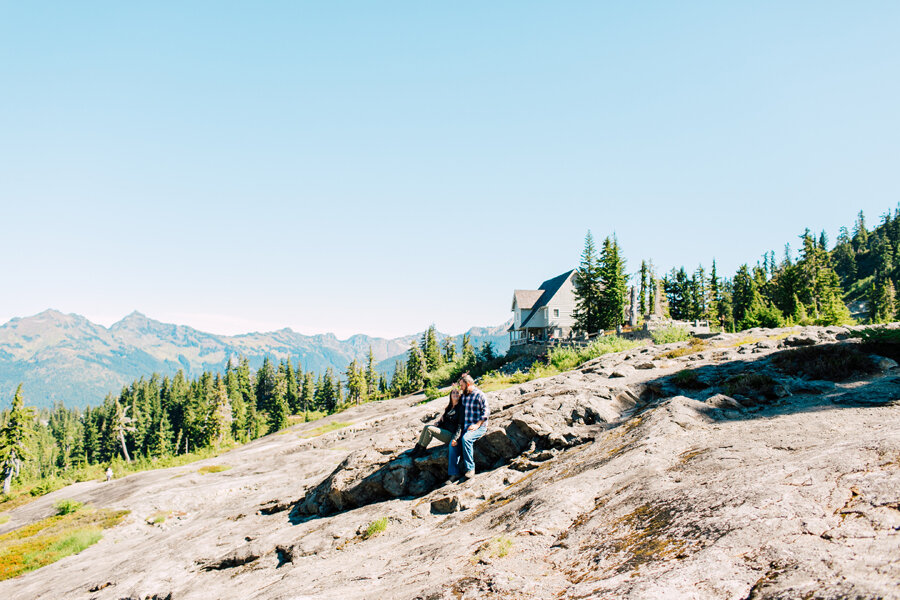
x=556 y=313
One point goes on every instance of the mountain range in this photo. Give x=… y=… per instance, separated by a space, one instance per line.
x=68 y=358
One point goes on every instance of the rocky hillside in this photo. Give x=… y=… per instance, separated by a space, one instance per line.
x=69 y=358
x=762 y=465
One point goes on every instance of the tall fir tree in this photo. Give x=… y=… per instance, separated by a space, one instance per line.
x=14 y=436
x=587 y=289
x=431 y=350
x=372 y=390
x=415 y=367
x=449 y=345
x=613 y=284
x=642 y=292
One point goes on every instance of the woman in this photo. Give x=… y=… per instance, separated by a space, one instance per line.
x=447 y=429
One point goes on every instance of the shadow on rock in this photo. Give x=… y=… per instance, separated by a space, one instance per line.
x=810 y=378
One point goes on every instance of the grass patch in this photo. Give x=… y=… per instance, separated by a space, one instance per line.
x=558 y=361
x=495 y=548
x=326 y=428
x=668 y=335
x=213 y=469
x=67 y=506
x=46 y=541
x=694 y=346
x=832 y=362
x=494 y=386
x=566 y=359
x=158 y=517
x=375 y=527
x=312 y=415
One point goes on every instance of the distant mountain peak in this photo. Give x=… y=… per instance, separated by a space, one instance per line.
x=135 y=317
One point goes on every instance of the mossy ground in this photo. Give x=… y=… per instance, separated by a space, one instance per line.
x=326 y=428
x=46 y=541
x=494 y=548
x=213 y=469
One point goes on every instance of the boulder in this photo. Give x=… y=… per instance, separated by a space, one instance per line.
x=794 y=341
x=445 y=504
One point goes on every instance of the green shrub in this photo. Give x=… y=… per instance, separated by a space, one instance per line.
x=670 y=334
x=878 y=335
x=568 y=358
x=763 y=316
x=688 y=379
x=48 y=485
x=375 y=527
x=67 y=506
x=750 y=384
x=432 y=392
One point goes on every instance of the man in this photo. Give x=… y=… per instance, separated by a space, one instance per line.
x=474 y=425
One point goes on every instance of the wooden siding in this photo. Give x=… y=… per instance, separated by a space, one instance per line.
x=564 y=300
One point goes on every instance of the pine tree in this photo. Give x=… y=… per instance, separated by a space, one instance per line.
x=308 y=397
x=713 y=312
x=371 y=376
x=431 y=350
x=449 y=349
x=415 y=367
x=356 y=383
x=486 y=354
x=14 y=436
x=844 y=257
x=613 y=285
x=745 y=296
x=587 y=289
x=642 y=293
x=329 y=397
x=278 y=410
x=882 y=301
x=678 y=294
x=161 y=436
x=291 y=389
x=265 y=387
x=399 y=381
x=220 y=417
x=860 y=233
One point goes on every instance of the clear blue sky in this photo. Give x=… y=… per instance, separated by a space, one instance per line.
x=374 y=167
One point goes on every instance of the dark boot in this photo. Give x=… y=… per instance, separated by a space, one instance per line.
x=418 y=451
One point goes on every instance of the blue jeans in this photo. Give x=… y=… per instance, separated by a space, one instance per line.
x=462 y=454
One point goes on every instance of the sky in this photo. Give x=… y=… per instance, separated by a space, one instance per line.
x=376 y=167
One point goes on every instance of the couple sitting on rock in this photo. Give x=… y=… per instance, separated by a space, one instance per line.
x=464 y=421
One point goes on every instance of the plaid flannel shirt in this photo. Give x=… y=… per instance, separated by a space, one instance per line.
x=475 y=408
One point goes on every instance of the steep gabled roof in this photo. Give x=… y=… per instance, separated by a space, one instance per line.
x=549 y=289
x=525 y=299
